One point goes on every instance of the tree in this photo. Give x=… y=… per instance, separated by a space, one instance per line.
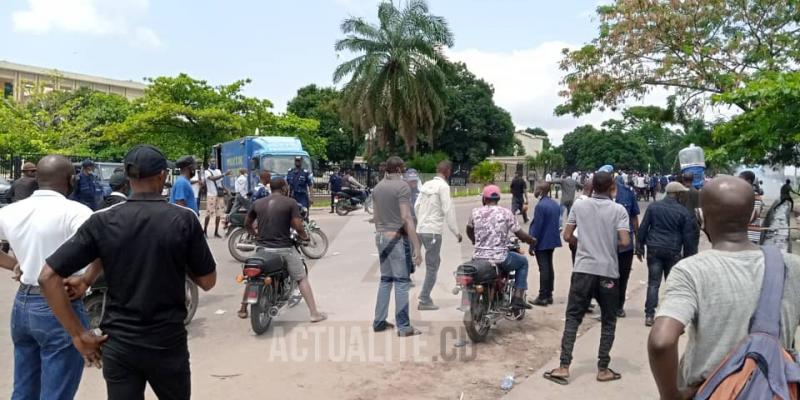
x=588 y=149
x=485 y=172
x=322 y=104
x=769 y=132
x=694 y=47
x=548 y=160
x=473 y=125
x=397 y=77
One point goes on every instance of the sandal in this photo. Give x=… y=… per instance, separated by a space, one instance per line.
x=614 y=376
x=561 y=380
x=242 y=314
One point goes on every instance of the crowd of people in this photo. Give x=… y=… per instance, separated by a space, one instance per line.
x=60 y=246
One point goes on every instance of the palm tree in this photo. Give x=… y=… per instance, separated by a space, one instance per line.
x=398 y=74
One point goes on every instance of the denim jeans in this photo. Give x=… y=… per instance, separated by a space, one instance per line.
x=546 y=274
x=433 y=248
x=519 y=263
x=659 y=263
x=565 y=206
x=394 y=270
x=582 y=288
x=625 y=263
x=127 y=368
x=46 y=364
x=516 y=205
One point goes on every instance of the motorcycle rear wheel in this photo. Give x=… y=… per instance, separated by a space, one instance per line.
x=318 y=246
x=476 y=325
x=259 y=312
x=341 y=208
x=192 y=300
x=94 y=309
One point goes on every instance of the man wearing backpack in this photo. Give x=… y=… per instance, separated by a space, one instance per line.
x=714 y=294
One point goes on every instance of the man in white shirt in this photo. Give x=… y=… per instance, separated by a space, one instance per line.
x=215 y=201
x=240 y=186
x=46 y=364
x=434 y=209
x=548 y=177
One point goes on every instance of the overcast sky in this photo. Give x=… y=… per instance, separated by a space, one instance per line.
x=283 y=45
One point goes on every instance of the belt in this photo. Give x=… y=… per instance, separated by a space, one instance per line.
x=30 y=289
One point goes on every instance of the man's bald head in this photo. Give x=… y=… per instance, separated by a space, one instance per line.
x=727 y=204
x=55 y=172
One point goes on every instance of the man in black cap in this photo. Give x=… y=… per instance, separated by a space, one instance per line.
x=86 y=186
x=182 y=193
x=156 y=245
x=24 y=187
x=119 y=190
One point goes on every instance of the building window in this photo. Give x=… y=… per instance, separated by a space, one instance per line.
x=8 y=90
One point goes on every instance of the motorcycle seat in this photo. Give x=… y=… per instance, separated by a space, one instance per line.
x=236 y=218
x=269 y=263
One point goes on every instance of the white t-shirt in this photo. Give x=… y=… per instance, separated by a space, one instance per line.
x=196 y=185
x=241 y=185
x=211 y=186
x=640 y=182
x=548 y=178
x=37 y=226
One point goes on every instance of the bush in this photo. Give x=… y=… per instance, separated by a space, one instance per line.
x=426 y=163
x=485 y=172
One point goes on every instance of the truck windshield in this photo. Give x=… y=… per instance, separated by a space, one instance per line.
x=105 y=171
x=282 y=164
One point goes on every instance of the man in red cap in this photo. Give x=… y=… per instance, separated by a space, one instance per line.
x=489 y=228
x=24 y=187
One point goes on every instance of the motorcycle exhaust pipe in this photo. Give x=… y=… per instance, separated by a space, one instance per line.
x=245 y=246
x=274 y=311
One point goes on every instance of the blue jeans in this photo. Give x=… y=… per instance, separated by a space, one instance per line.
x=433 y=247
x=519 y=263
x=46 y=364
x=394 y=270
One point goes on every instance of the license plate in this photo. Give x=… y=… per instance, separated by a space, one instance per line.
x=252 y=293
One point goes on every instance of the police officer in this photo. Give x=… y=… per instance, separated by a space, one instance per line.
x=335 y=185
x=86 y=186
x=300 y=182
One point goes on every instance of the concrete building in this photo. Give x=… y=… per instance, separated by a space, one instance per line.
x=19 y=82
x=532 y=144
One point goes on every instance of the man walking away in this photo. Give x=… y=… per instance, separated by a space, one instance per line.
x=730 y=275
x=626 y=198
x=182 y=193
x=276 y=216
x=215 y=199
x=604 y=229
x=434 y=209
x=786 y=194
x=394 y=225
x=568 y=187
x=24 y=187
x=156 y=245
x=653 y=187
x=334 y=186
x=300 y=183
x=119 y=190
x=519 y=197
x=86 y=186
x=46 y=365
x=667 y=230
x=545 y=230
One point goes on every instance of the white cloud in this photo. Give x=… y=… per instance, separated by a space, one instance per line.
x=95 y=17
x=526 y=83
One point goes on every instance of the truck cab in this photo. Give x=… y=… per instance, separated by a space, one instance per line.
x=275 y=154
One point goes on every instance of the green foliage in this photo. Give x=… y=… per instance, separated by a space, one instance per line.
x=694 y=48
x=474 y=125
x=427 y=162
x=485 y=172
x=548 y=160
x=397 y=77
x=770 y=131
x=322 y=104
x=588 y=149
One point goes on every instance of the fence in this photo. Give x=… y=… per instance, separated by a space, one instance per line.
x=11 y=164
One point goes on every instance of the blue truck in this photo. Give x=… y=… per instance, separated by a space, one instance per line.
x=275 y=154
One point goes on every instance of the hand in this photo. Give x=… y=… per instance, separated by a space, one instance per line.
x=531 y=251
x=418 y=258
x=88 y=344
x=76 y=287
x=228 y=173
x=17 y=273
x=459 y=238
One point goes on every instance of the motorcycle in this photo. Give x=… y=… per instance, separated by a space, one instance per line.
x=269 y=289
x=344 y=203
x=486 y=294
x=95 y=301
x=242 y=244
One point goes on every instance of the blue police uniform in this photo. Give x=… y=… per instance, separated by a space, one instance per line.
x=335 y=186
x=299 y=181
x=85 y=191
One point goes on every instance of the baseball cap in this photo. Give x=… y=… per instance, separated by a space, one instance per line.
x=491 y=192
x=144 y=161
x=676 y=187
x=184 y=161
x=411 y=175
x=87 y=163
x=29 y=166
x=117 y=180
x=606 y=168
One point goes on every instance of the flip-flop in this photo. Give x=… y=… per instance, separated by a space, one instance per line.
x=322 y=317
x=242 y=314
x=614 y=376
x=561 y=380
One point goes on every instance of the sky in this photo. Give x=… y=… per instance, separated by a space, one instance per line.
x=283 y=45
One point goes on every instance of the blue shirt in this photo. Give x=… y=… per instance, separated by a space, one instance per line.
x=335 y=183
x=627 y=199
x=182 y=190
x=545 y=224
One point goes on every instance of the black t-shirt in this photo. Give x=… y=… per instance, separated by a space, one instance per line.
x=274 y=215
x=22 y=188
x=518 y=187
x=147 y=246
